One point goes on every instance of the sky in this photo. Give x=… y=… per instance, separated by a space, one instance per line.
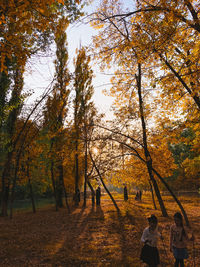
x=40 y=69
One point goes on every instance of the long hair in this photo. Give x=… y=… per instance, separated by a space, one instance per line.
x=179 y=216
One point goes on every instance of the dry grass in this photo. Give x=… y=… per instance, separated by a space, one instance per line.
x=90 y=236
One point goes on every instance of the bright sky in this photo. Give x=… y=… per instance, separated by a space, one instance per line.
x=40 y=70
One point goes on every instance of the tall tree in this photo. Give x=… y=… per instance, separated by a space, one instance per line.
x=57 y=107
x=25 y=28
x=120 y=31
x=84 y=112
x=8 y=131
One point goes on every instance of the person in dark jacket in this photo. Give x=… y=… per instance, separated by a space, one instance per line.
x=98 y=196
x=125 y=193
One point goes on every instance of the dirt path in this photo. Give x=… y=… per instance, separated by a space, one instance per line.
x=86 y=237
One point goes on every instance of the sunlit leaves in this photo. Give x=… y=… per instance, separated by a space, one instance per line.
x=164 y=38
x=25 y=25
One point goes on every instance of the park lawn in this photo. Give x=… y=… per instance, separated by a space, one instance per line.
x=90 y=236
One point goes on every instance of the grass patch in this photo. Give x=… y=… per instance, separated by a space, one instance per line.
x=25 y=205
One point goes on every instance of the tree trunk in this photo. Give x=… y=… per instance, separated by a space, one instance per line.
x=31 y=188
x=54 y=184
x=31 y=195
x=14 y=185
x=174 y=196
x=66 y=197
x=92 y=192
x=85 y=181
x=152 y=194
x=146 y=151
x=6 y=185
x=77 y=192
x=194 y=95
x=60 y=186
x=97 y=170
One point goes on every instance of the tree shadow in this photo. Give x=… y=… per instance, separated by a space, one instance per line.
x=83 y=225
x=99 y=213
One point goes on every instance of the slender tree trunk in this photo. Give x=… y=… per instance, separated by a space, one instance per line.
x=174 y=196
x=92 y=192
x=54 y=184
x=152 y=194
x=14 y=185
x=85 y=181
x=108 y=192
x=66 y=197
x=32 y=195
x=195 y=97
x=5 y=199
x=146 y=151
x=6 y=185
x=60 y=186
x=76 y=197
x=31 y=188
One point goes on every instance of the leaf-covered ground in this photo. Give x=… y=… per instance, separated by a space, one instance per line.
x=90 y=236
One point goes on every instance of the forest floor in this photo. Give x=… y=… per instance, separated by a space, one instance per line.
x=91 y=236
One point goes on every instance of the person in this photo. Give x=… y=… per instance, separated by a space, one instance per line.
x=137 y=196
x=125 y=193
x=149 y=253
x=178 y=240
x=98 y=196
x=140 y=194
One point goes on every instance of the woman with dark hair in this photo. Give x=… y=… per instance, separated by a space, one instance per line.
x=149 y=253
x=179 y=240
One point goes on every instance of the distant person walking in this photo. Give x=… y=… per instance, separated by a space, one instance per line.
x=125 y=193
x=137 y=196
x=179 y=240
x=98 y=196
x=140 y=194
x=149 y=253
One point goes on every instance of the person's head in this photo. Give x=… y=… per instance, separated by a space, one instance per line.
x=178 y=219
x=153 y=221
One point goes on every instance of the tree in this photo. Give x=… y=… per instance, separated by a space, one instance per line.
x=26 y=28
x=119 y=32
x=84 y=112
x=56 y=111
x=8 y=130
x=124 y=63
x=167 y=35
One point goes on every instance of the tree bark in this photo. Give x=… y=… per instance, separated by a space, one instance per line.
x=195 y=97
x=76 y=197
x=85 y=173
x=14 y=185
x=174 y=196
x=101 y=179
x=59 y=187
x=66 y=197
x=152 y=194
x=54 y=184
x=6 y=185
x=146 y=151
x=31 y=195
x=92 y=192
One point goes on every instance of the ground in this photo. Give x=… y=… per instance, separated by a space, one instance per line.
x=91 y=236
